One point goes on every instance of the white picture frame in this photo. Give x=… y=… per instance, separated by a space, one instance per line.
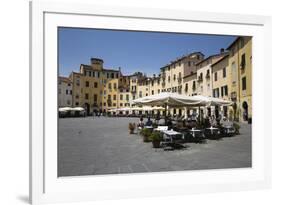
x=45 y=187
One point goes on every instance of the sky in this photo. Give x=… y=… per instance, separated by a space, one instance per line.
x=133 y=51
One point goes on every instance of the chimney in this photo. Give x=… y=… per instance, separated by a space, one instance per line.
x=222 y=50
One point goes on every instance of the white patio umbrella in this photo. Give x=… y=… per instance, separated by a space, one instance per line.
x=211 y=101
x=64 y=109
x=167 y=99
x=78 y=109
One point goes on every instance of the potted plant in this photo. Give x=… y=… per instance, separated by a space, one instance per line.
x=132 y=127
x=155 y=138
x=145 y=132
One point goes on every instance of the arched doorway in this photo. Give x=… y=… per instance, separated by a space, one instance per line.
x=245 y=110
x=87 y=108
x=234 y=106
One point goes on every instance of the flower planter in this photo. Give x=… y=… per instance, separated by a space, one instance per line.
x=156 y=143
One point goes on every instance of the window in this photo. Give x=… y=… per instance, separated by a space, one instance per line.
x=117 y=75
x=114 y=97
x=70 y=92
x=121 y=97
x=66 y=92
x=152 y=92
x=216 y=92
x=243 y=61
x=158 y=90
x=95 y=97
x=86 y=96
x=109 y=86
x=121 y=104
x=127 y=97
x=98 y=74
x=186 y=87
x=140 y=94
x=115 y=86
x=78 y=82
x=87 y=84
x=189 y=63
x=77 y=96
x=244 y=83
x=90 y=73
x=216 y=76
x=194 y=85
x=77 y=103
x=94 y=74
x=225 y=90
x=222 y=89
x=95 y=84
x=169 y=78
x=174 y=77
x=224 y=72
x=112 y=75
x=107 y=75
x=234 y=72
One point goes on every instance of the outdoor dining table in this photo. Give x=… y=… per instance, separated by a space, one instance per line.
x=148 y=127
x=195 y=131
x=171 y=134
x=228 y=129
x=213 y=130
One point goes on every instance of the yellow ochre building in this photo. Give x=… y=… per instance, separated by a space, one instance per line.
x=226 y=75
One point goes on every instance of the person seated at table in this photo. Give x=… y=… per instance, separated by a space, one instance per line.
x=141 y=124
x=157 y=118
x=213 y=121
x=169 y=124
x=148 y=122
x=225 y=122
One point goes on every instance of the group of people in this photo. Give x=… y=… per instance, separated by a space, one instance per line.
x=189 y=122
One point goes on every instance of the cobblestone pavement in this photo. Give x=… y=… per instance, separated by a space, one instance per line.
x=102 y=145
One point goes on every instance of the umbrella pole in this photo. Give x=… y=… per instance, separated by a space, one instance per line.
x=199 y=115
x=165 y=114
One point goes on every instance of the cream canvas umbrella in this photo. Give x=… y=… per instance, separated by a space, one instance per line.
x=78 y=109
x=166 y=99
x=64 y=109
x=211 y=101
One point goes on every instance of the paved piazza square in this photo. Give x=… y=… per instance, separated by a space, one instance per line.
x=103 y=145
